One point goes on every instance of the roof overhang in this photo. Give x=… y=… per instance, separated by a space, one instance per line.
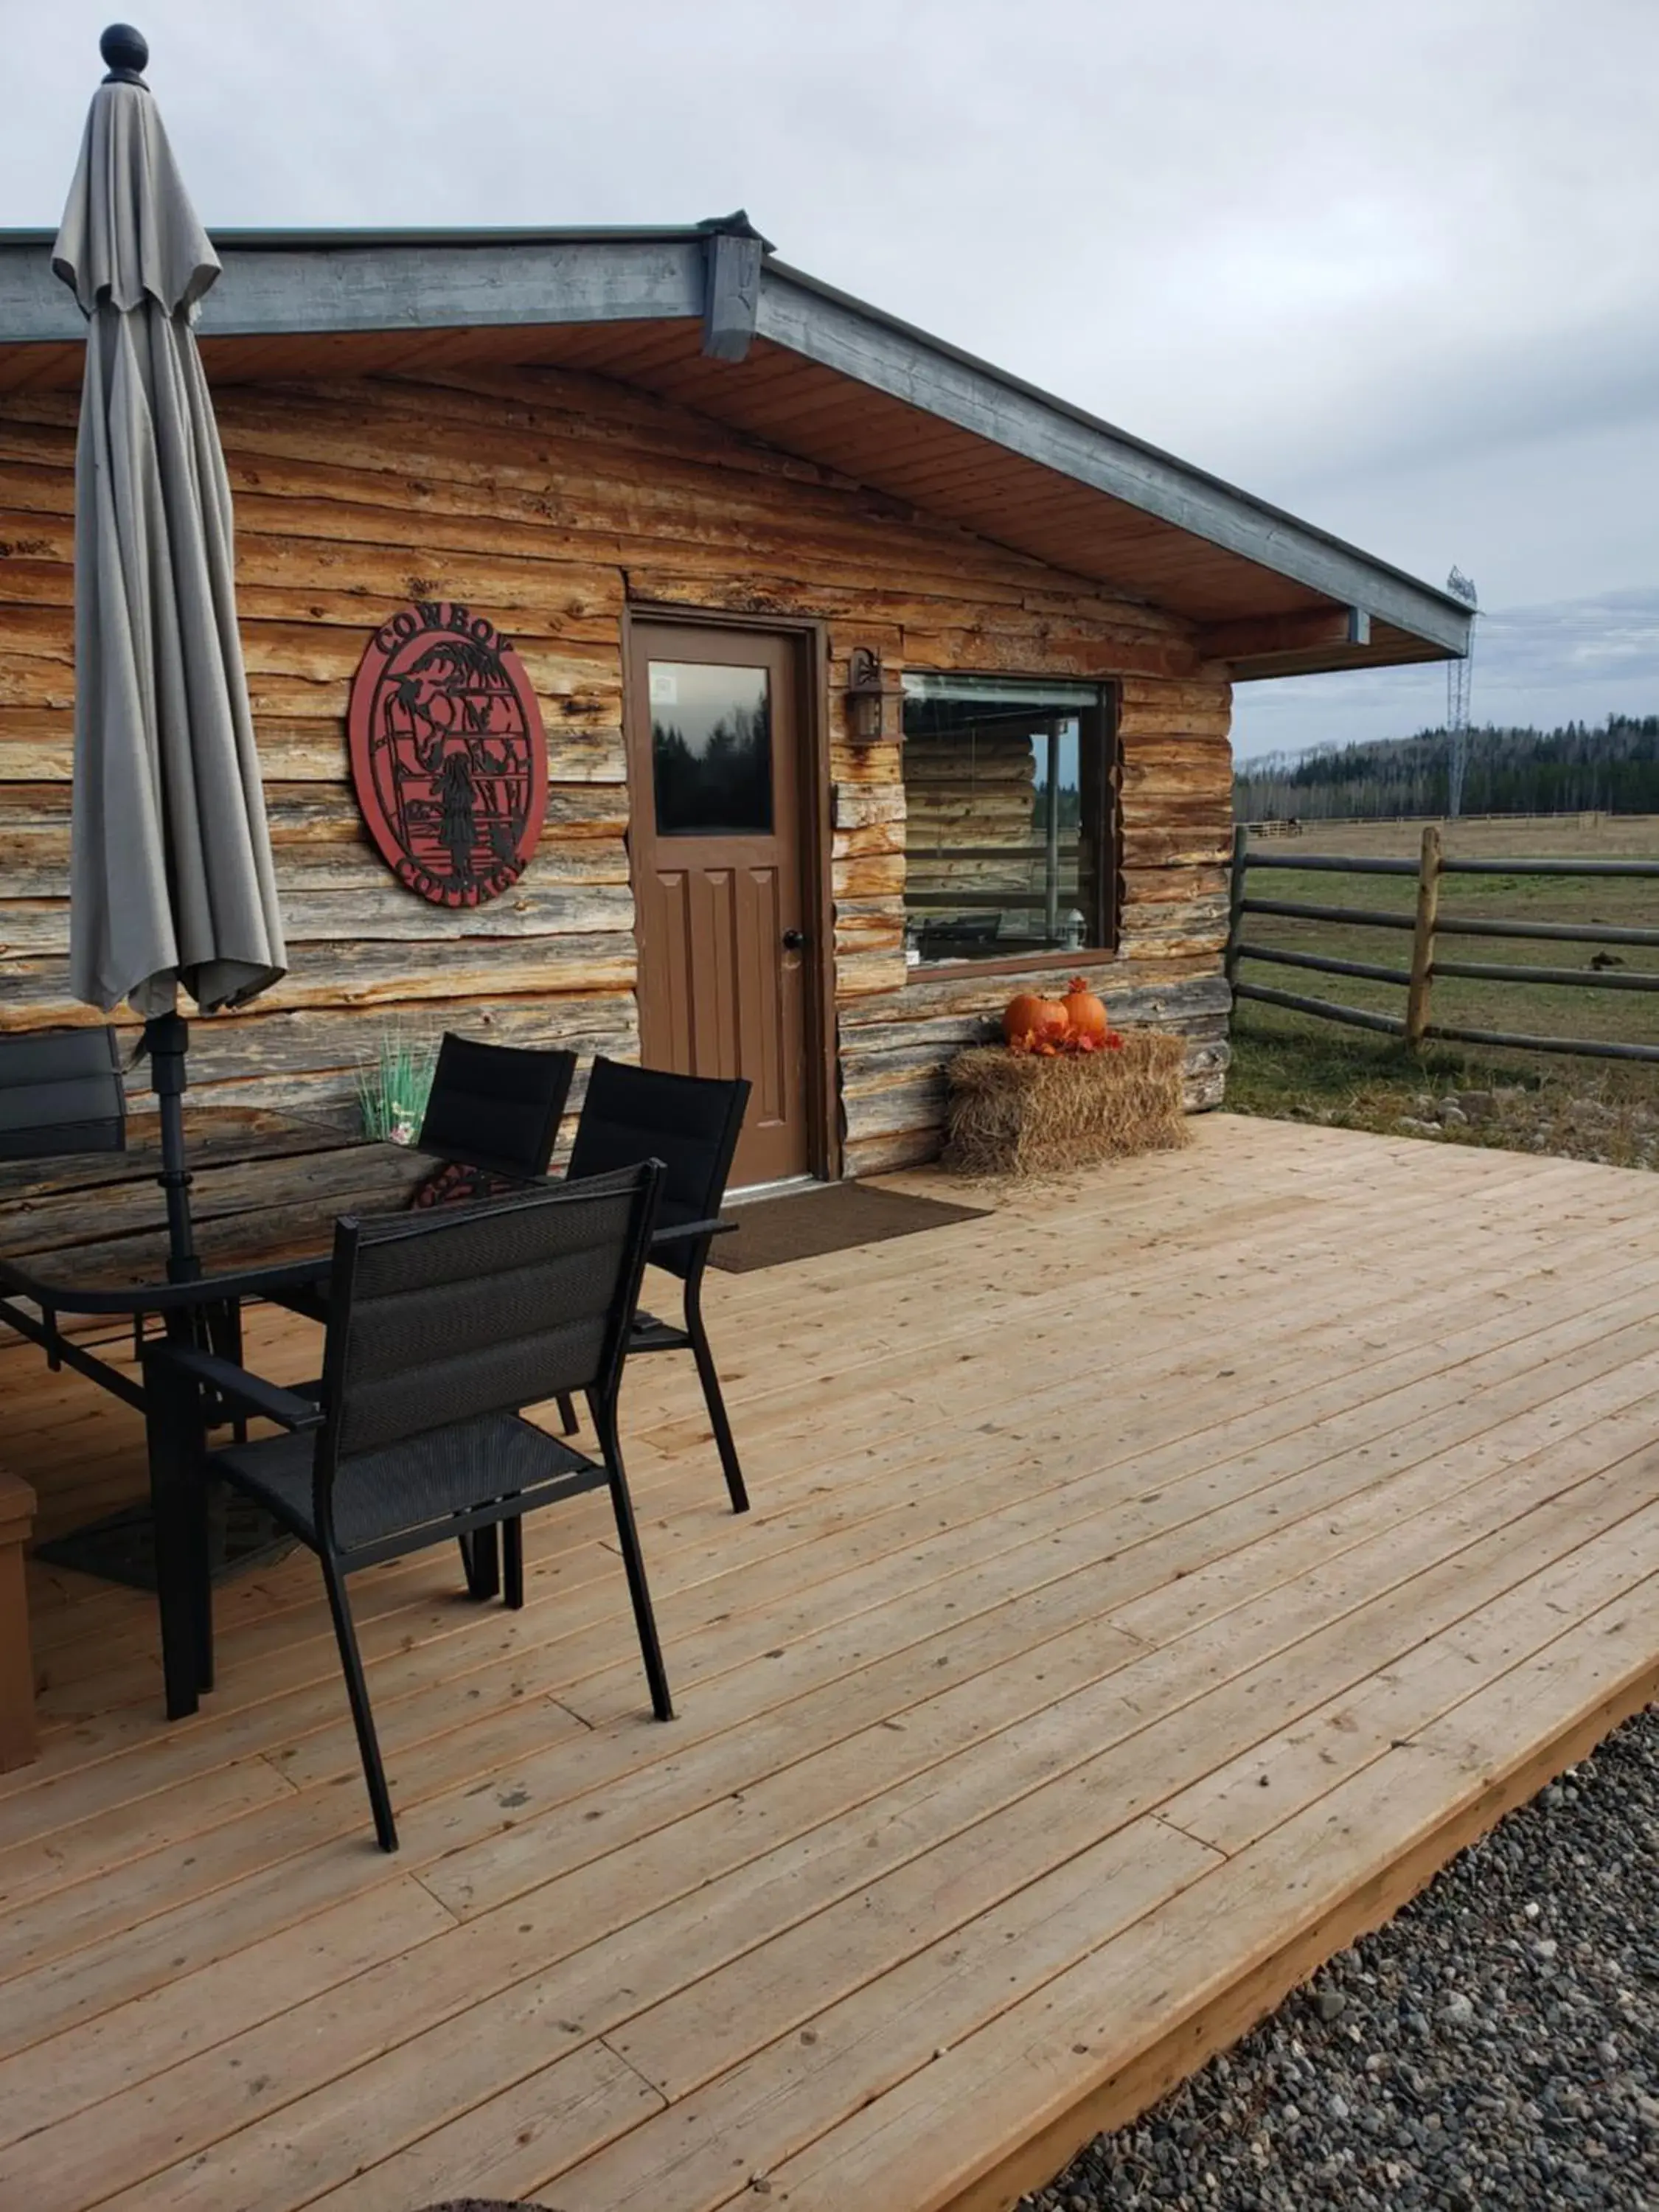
x=705 y=316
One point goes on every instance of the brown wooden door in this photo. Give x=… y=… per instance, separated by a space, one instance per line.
x=715 y=837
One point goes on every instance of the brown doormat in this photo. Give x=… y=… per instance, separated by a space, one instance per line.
x=804 y=1224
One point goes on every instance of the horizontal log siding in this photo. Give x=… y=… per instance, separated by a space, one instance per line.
x=549 y=501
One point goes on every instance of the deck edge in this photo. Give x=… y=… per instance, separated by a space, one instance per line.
x=1218 y=2022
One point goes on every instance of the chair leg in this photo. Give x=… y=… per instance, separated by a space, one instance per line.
x=567 y=1414
x=710 y=1379
x=362 y=1719
x=201 y=1574
x=628 y=1538
x=481 y=1564
x=512 y=1562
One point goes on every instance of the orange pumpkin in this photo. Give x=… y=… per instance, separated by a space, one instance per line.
x=1085 y=1014
x=1034 y=1021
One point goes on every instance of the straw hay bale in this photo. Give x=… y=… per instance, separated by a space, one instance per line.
x=1012 y=1114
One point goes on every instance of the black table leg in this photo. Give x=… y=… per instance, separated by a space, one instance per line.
x=173 y=1422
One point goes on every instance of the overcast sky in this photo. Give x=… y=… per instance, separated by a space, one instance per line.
x=1396 y=269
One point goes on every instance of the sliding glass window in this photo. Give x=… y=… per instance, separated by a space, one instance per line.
x=1011 y=802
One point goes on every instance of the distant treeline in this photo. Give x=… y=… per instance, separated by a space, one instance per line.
x=1576 y=769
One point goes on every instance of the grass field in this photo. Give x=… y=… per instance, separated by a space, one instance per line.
x=1291 y=1064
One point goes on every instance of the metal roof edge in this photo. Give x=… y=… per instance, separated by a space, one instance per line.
x=321 y=239
x=317 y=284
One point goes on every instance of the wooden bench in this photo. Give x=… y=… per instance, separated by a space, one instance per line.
x=17 y=1736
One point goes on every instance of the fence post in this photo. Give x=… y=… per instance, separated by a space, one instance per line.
x=1235 y=899
x=1428 y=907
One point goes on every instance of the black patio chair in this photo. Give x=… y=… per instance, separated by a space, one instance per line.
x=496 y=1106
x=444 y=1325
x=495 y=1109
x=691 y=1123
x=61 y=1092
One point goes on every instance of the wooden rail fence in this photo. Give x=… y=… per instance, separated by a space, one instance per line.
x=1426 y=926
x=1299 y=825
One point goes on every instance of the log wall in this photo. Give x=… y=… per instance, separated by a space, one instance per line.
x=549 y=501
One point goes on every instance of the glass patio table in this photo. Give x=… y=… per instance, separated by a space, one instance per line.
x=85 y=1236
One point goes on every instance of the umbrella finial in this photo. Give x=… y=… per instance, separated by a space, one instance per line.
x=126 y=52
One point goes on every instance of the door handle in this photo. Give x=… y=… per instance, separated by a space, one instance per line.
x=795 y=940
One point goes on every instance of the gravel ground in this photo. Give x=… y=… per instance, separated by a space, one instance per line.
x=1612 y=1132
x=1495 y=2046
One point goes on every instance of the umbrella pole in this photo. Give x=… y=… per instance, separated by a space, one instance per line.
x=166 y=1037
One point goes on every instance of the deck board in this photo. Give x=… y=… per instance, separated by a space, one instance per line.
x=1148 y=1587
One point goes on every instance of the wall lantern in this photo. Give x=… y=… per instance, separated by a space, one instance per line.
x=866 y=697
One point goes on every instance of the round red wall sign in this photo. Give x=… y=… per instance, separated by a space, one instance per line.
x=448 y=755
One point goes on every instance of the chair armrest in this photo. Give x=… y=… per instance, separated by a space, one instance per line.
x=680 y=1232
x=237 y=1386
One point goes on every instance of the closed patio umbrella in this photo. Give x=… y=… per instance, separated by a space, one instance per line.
x=171 y=878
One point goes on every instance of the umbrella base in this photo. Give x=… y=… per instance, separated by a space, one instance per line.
x=121 y=1547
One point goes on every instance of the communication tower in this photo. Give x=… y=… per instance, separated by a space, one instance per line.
x=1458 y=675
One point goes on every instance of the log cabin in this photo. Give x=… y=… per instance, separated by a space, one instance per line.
x=876 y=683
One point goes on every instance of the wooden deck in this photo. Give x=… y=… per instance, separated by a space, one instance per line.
x=1148 y=1589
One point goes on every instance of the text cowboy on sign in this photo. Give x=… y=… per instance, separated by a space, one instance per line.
x=448 y=755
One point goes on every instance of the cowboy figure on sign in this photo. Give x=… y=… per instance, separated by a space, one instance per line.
x=448 y=754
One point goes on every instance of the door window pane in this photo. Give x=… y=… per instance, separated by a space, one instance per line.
x=711 y=750
x=1007 y=847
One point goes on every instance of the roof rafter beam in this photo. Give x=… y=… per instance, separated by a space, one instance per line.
x=732 y=296
x=1258 y=637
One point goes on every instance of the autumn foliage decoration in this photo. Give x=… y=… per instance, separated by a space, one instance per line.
x=1075 y=1024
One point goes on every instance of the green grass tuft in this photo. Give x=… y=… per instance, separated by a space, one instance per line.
x=1289 y=1066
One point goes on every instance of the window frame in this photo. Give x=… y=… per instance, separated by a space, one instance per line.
x=1109 y=824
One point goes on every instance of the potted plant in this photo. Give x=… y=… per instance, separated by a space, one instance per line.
x=392 y=1088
